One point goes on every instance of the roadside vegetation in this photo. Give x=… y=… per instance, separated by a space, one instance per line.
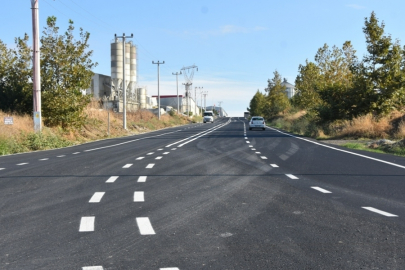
x=341 y=97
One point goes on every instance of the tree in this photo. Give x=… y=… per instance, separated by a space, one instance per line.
x=256 y=104
x=65 y=70
x=276 y=99
x=15 y=77
x=307 y=96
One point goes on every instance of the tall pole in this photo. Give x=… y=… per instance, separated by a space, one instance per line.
x=205 y=99
x=220 y=108
x=201 y=104
x=177 y=82
x=158 y=64
x=36 y=68
x=195 y=96
x=124 y=91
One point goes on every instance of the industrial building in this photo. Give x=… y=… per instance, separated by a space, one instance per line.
x=290 y=88
x=185 y=105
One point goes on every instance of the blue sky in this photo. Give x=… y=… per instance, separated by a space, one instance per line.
x=237 y=45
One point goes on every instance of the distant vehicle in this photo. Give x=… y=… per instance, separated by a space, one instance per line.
x=257 y=122
x=208 y=117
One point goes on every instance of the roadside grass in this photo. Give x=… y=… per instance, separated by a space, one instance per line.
x=398 y=151
x=20 y=137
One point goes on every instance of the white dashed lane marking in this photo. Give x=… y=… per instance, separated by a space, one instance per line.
x=44 y=158
x=87 y=224
x=76 y=153
x=151 y=153
x=247 y=142
x=246 y=138
x=112 y=179
x=160 y=149
x=20 y=164
x=158 y=157
x=250 y=145
x=165 y=153
x=2 y=169
x=96 y=198
x=321 y=190
x=372 y=209
x=257 y=152
x=127 y=166
x=142 y=178
x=292 y=176
x=62 y=156
x=263 y=157
x=170 y=268
x=254 y=149
x=274 y=165
x=139 y=196
x=174 y=149
x=140 y=158
x=92 y=268
x=150 y=166
x=144 y=225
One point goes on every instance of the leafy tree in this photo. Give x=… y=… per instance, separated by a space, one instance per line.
x=65 y=71
x=15 y=77
x=306 y=83
x=276 y=99
x=257 y=103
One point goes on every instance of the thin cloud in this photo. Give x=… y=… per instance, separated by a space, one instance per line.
x=355 y=6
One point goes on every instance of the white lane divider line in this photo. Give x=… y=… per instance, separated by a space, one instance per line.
x=87 y=224
x=174 y=149
x=112 y=179
x=257 y=152
x=150 y=166
x=169 y=268
x=247 y=142
x=144 y=225
x=127 y=166
x=75 y=153
x=274 y=165
x=254 y=149
x=142 y=178
x=250 y=145
x=139 y=196
x=96 y=198
x=263 y=157
x=160 y=157
x=165 y=153
x=372 y=209
x=292 y=176
x=2 y=169
x=246 y=138
x=20 y=164
x=151 y=153
x=140 y=158
x=92 y=268
x=62 y=156
x=321 y=190
x=44 y=158
x=160 y=149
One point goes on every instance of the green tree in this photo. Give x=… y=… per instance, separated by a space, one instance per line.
x=257 y=103
x=306 y=83
x=65 y=70
x=276 y=99
x=15 y=77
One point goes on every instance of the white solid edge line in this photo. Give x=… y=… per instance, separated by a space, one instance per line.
x=372 y=209
x=112 y=179
x=274 y=165
x=87 y=224
x=139 y=196
x=96 y=198
x=142 y=178
x=144 y=225
x=92 y=268
x=216 y=127
x=344 y=151
x=292 y=176
x=321 y=190
x=150 y=166
x=127 y=166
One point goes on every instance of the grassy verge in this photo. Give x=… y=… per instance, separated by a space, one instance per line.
x=398 y=151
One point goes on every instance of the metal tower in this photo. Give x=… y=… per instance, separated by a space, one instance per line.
x=188 y=77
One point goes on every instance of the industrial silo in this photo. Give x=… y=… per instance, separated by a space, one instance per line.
x=116 y=70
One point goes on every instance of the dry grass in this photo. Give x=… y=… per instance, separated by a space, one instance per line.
x=294 y=116
x=400 y=133
x=366 y=127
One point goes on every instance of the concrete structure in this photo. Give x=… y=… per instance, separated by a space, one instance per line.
x=290 y=88
x=220 y=110
x=171 y=100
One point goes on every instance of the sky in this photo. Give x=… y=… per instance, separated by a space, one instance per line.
x=237 y=45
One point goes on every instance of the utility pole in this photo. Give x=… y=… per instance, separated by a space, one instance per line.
x=158 y=64
x=205 y=99
x=36 y=68
x=188 y=76
x=177 y=82
x=195 y=96
x=187 y=85
x=201 y=93
x=124 y=91
x=220 y=112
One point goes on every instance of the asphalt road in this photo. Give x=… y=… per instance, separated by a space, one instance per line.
x=202 y=196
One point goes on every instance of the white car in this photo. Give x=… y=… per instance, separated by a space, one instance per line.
x=208 y=117
x=257 y=122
